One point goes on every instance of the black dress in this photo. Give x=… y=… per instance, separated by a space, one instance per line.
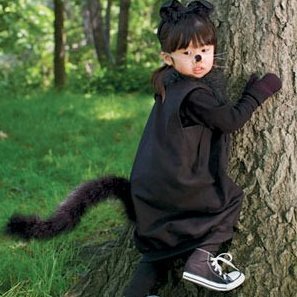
x=182 y=194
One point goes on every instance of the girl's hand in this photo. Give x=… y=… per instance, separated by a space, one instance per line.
x=264 y=87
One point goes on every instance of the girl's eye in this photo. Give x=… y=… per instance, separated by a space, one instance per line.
x=187 y=53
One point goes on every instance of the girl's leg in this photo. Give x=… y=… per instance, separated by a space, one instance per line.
x=146 y=277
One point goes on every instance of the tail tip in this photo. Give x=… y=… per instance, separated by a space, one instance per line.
x=21 y=226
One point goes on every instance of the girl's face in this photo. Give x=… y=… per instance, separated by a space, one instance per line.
x=191 y=61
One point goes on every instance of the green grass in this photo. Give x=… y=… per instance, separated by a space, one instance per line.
x=54 y=142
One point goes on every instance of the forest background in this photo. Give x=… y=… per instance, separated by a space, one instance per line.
x=74 y=95
x=92 y=45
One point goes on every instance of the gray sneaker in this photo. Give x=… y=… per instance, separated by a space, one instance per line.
x=203 y=268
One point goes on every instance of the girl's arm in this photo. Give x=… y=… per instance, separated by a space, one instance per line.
x=202 y=106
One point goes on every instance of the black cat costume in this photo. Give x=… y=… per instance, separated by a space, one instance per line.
x=179 y=196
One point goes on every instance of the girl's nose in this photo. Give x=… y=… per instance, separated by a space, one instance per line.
x=198 y=58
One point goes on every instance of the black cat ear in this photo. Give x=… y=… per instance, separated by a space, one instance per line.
x=171 y=10
x=201 y=7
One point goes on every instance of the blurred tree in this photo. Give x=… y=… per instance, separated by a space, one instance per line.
x=122 y=41
x=107 y=22
x=99 y=32
x=26 y=63
x=59 y=39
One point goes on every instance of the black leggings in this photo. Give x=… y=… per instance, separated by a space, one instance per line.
x=150 y=275
x=147 y=277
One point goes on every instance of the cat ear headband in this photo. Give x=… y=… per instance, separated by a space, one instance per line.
x=172 y=11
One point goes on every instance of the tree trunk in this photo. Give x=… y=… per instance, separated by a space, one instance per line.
x=122 y=43
x=101 y=46
x=256 y=36
x=107 y=22
x=260 y=36
x=59 y=39
x=86 y=20
x=111 y=268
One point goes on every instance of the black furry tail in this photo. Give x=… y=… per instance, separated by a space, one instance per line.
x=69 y=212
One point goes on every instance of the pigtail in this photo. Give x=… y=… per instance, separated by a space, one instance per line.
x=158 y=80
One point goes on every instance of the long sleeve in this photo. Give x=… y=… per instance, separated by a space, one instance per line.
x=202 y=107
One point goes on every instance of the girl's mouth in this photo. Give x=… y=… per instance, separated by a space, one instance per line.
x=198 y=70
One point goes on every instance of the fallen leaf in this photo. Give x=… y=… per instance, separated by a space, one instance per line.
x=3 y=135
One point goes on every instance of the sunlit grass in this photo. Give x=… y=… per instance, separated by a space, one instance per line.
x=52 y=143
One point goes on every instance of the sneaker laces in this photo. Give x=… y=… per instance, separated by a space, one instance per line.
x=221 y=258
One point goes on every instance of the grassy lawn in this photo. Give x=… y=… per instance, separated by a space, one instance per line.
x=49 y=143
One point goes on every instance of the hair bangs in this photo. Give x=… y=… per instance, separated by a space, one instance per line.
x=198 y=30
x=203 y=35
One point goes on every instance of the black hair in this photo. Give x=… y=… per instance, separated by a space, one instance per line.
x=198 y=29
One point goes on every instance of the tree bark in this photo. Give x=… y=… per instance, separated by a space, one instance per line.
x=112 y=266
x=122 y=43
x=260 y=36
x=59 y=51
x=257 y=36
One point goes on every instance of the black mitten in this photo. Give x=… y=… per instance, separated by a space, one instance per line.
x=264 y=87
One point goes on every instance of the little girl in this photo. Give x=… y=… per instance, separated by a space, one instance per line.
x=179 y=197
x=184 y=200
